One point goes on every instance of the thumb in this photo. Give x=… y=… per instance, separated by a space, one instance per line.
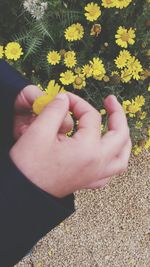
x=52 y=117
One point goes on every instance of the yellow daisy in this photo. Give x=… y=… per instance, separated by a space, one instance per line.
x=98 y=68
x=126 y=75
x=122 y=59
x=74 y=32
x=138 y=125
x=13 y=51
x=1 y=51
x=122 y=3
x=137 y=150
x=40 y=103
x=142 y=115
x=52 y=91
x=70 y=59
x=92 y=11
x=67 y=77
x=108 y=3
x=87 y=70
x=79 y=82
x=54 y=88
x=125 y=37
x=53 y=57
x=134 y=67
x=125 y=105
x=80 y=31
x=140 y=100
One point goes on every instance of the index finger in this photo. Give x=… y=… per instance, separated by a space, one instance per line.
x=89 y=118
x=118 y=133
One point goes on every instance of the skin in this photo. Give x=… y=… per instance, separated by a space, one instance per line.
x=58 y=164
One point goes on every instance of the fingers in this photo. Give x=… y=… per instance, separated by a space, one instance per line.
x=50 y=120
x=26 y=98
x=120 y=163
x=118 y=134
x=67 y=125
x=89 y=118
x=116 y=167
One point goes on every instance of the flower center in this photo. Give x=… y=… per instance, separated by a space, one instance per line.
x=78 y=81
x=125 y=37
x=14 y=51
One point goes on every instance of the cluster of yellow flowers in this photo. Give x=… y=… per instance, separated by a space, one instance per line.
x=142 y=144
x=93 y=10
x=12 y=51
x=129 y=65
x=134 y=106
x=72 y=72
x=116 y=3
x=94 y=69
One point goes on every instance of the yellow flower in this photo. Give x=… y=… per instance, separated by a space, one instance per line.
x=122 y=58
x=74 y=32
x=95 y=30
x=133 y=108
x=137 y=150
x=80 y=31
x=126 y=75
x=87 y=70
x=134 y=67
x=147 y=144
x=138 y=125
x=1 y=51
x=67 y=77
x=140 y=100
x=108 y=3
x=52 y=91
x=79 y=82
x=40 y=103
x=13 y=51
x=122 y=3
x=125 y=105
x=98 y=68
x=70 y=59
x=92 y=11
x=125 y=37
x=148 y=88
x=54 y=88
x=53 y=57
x=143 y=115
x=102 y=111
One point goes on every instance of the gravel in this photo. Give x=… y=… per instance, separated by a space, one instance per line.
x=110 y=228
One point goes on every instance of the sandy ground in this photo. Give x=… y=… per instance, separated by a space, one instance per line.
x=110 y=228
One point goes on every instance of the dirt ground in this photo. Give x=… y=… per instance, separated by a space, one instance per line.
x=110 y=228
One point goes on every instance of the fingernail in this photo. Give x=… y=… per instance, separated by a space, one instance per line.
x=61 y=96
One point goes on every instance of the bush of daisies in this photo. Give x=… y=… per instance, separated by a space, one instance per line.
x=91 y=48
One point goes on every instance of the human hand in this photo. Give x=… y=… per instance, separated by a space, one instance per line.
x=24 y=115
x=60 y=165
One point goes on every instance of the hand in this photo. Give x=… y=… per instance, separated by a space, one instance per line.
x=24 y=115
x=61 y=165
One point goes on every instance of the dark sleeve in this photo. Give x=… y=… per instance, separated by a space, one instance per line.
x=26 y=212
x=11 y=83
